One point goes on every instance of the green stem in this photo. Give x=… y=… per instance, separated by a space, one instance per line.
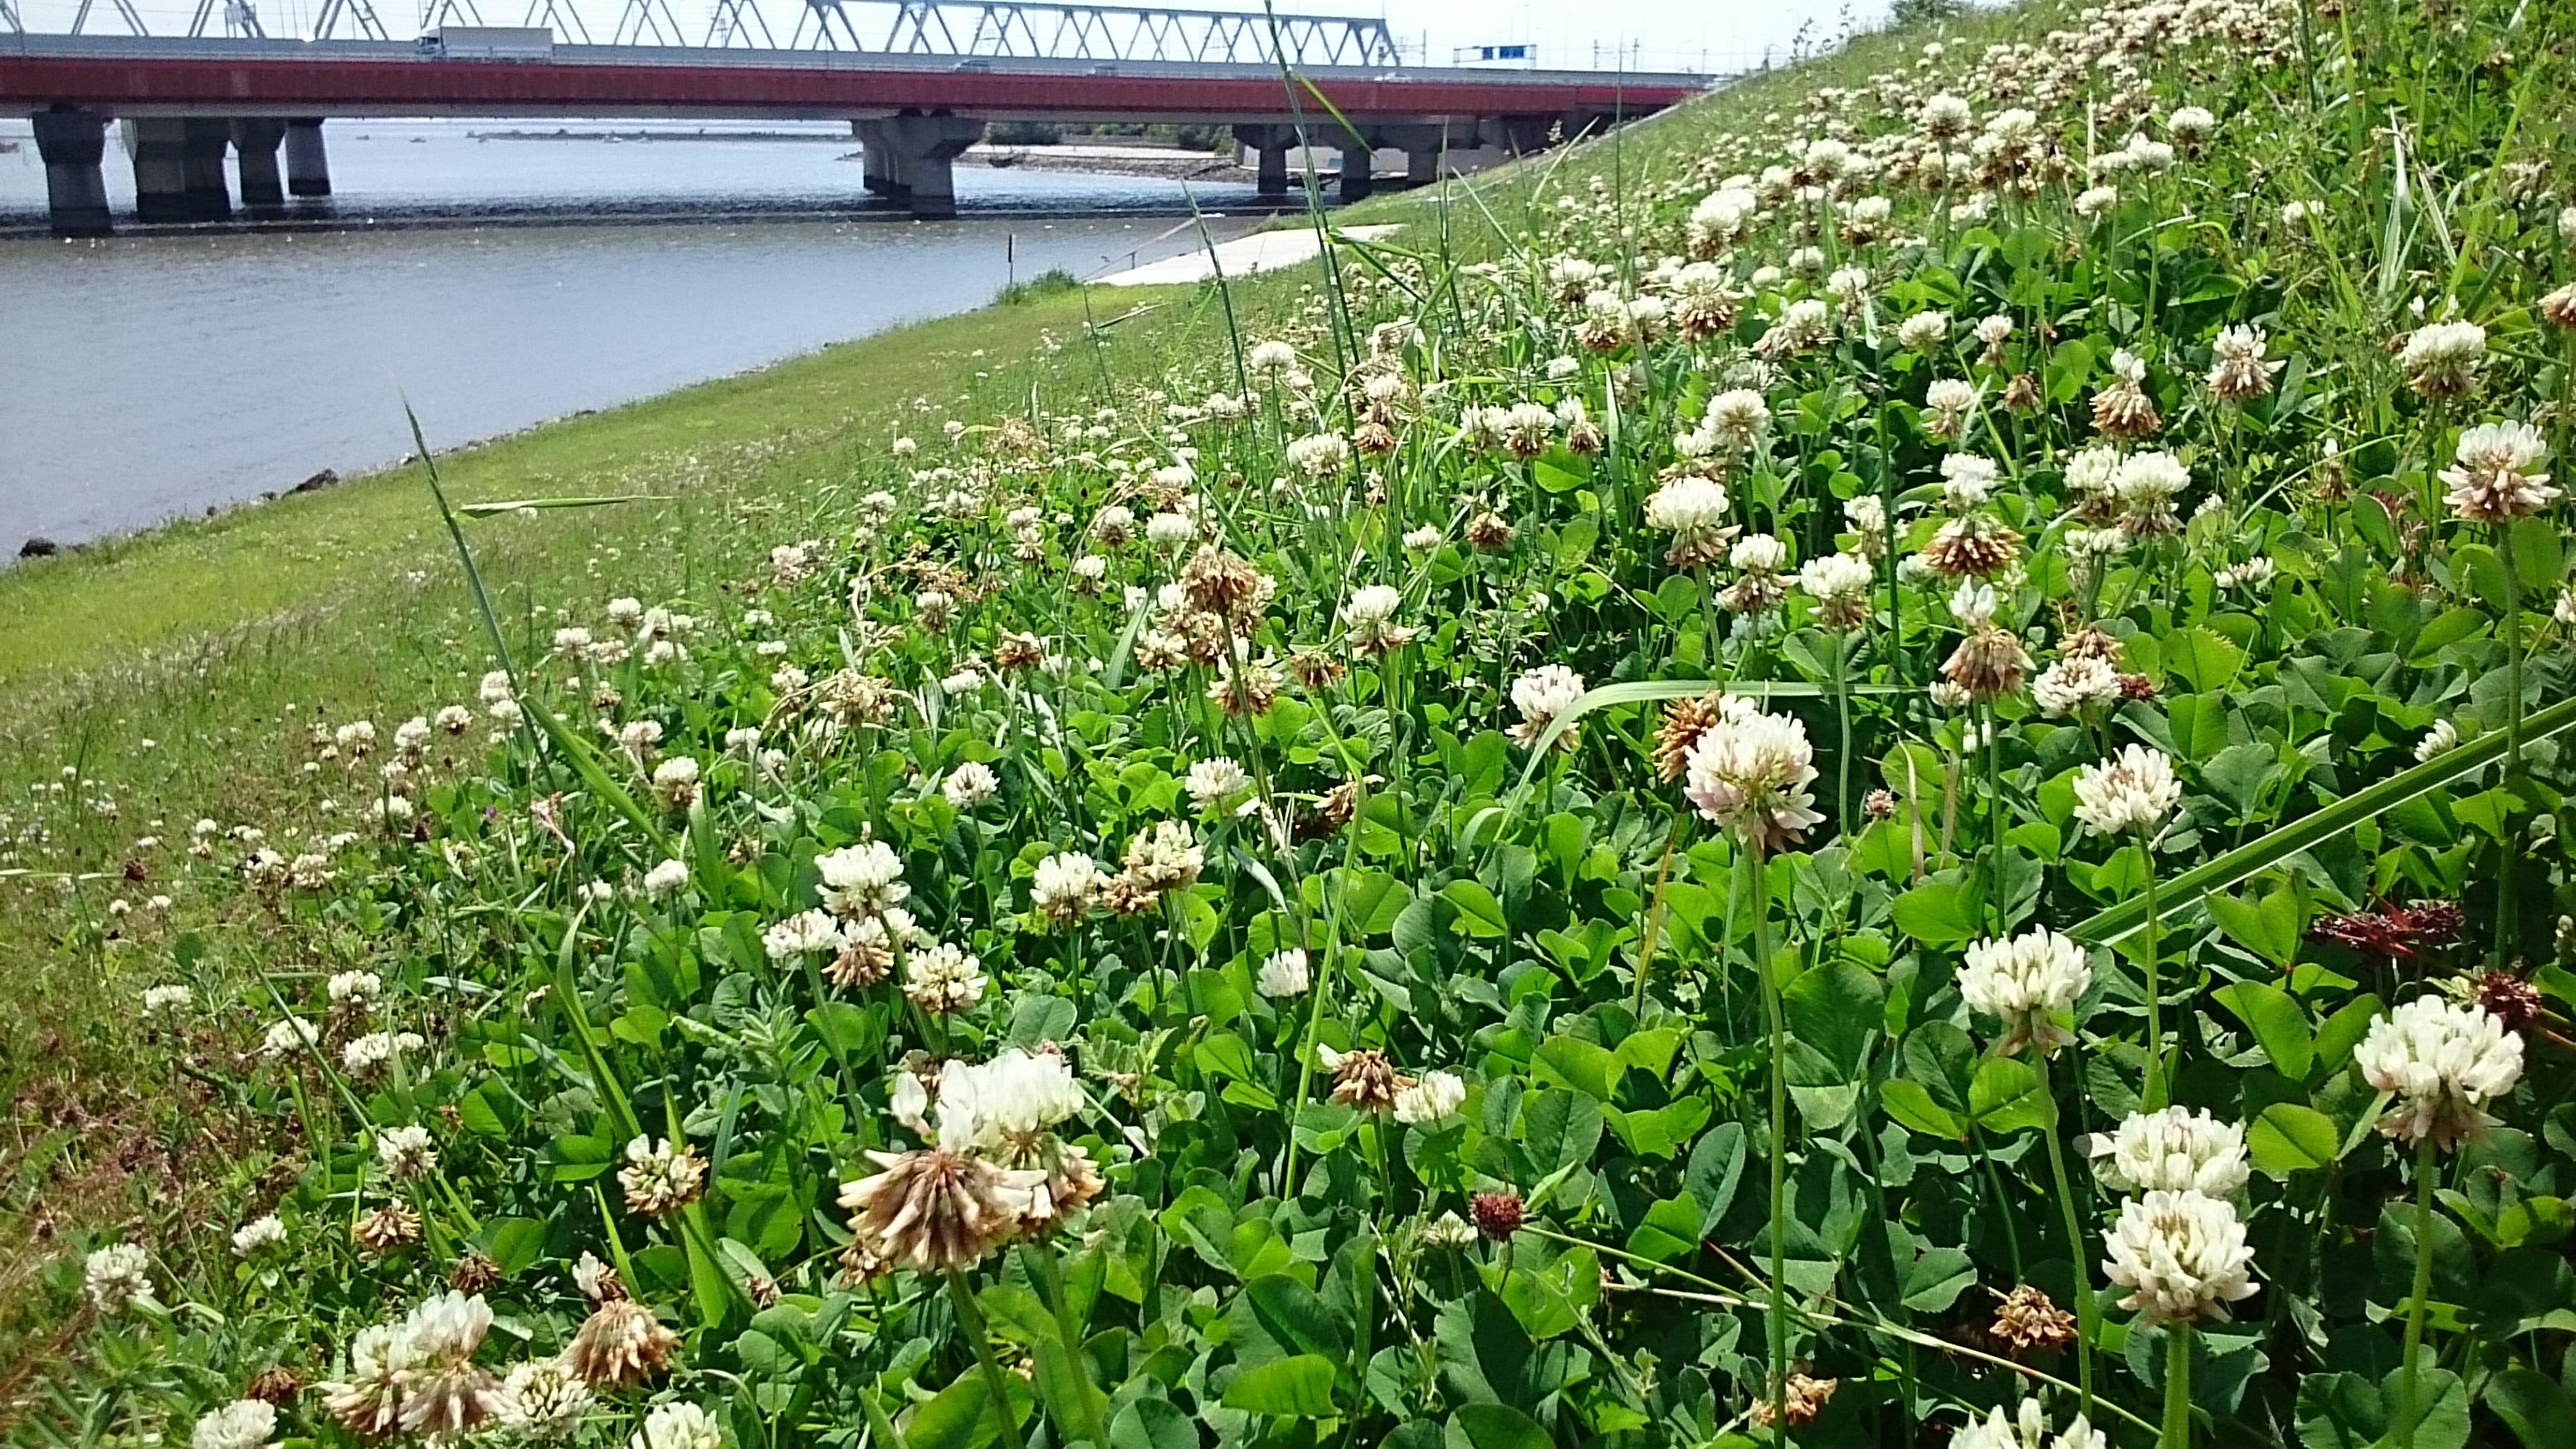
x=2512 y=728
x=2177 y=1434
x=1779 y=1314
x=1052 y=1275
x=2408 y=1404
x=2152 y=1099
x=970 y=1321
x=2084 y=1306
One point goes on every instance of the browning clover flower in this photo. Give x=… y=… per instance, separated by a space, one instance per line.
x=2494 y=480
x=1750 y=775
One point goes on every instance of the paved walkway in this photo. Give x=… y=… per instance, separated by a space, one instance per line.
x=1265 y=251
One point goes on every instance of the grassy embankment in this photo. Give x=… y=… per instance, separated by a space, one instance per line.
x=176 y=675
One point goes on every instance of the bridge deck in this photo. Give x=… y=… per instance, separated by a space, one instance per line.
x=152 y=76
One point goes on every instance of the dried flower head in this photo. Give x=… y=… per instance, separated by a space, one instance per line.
x=2031 y=1322
x=620 y=1343
x=661 y=1178
x=1363 y=1078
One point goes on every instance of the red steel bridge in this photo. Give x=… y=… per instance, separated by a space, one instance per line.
x=917 y=91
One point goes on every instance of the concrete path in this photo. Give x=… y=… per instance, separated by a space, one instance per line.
x=1265 y=251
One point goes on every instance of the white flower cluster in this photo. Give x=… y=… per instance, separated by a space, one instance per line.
x=2135 y=791
x=1749 y=773
x=2027 y=981
x=2444 y=1063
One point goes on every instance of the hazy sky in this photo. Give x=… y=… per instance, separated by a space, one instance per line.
x=1716 y=34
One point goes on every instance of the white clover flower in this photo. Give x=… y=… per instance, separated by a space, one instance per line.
x=2440 y=739
x=1284 y=974
x=1694 y=511
x=2181 y=1255
x=1431 y=1100
x=116 y=1277
x=1973 y=604
x=292 y=1034
x=1944 y=116
x=943 y=978
x=406 y=1152
x=1422 y=540
x=666 y=879
x=2494 y=479
x=1759 y=553
x=1369 y=617
x=168 y=1001
x=258 y=1235
x=1169 y=530
x=2444 y=1063
x=2175 y=1150
x=1923 y=331
x=1000 y=1107
x=678 y=1426
x=800 y=934
x=1541 y=695
x=1213 y=783
x=2027 y=1429
x=1839 y=583
x=2135 y=791
x=354 y=986
x=2190 y=123
x=862 y=879
x=1967 y=481
x=1750 y=775
x=971 y=784
x=1065 y=886
x=2026 y=982
x=2095 y=200
x=2072 y=686
x=241 y=1424
x=542 y=1401
x=1736 y=420
x=2442 y=358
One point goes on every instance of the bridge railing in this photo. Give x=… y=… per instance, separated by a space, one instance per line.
x=964 y=29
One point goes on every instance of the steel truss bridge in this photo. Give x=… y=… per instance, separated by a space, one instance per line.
x=992 y=29
x=917 y=80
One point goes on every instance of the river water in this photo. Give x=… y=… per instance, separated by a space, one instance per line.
x=489 y=283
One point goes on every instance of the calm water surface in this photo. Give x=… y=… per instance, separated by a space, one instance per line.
x=491 y=284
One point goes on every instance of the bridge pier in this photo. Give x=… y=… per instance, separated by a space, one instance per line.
x=255 y=144
x=308 y=168
x=202 y=142
x=157 y=146
x=1358 y=155
x=913 y=159
x=72 y=143
x=1269 y=144
x=1422 y=146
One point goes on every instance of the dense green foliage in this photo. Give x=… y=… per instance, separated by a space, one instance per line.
x=1608 y=825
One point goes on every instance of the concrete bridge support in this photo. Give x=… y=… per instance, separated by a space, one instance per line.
x=72 y=143
x=913 y=159
x=1269 y=144
x=202 y=143
x=157 y=146
x=308 y=168
x=1422 y=145
x=1358 y=154
x=255 y=145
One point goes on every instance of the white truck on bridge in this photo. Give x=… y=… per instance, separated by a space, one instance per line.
x=488 y=42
